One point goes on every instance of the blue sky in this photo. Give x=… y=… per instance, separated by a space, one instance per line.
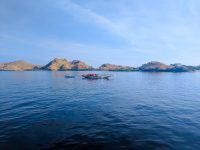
x=126 y=32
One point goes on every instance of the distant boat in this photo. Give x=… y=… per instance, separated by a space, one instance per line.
x=95 y=76
x=69 y=76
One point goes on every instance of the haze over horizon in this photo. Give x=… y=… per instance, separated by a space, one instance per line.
x=128 y=32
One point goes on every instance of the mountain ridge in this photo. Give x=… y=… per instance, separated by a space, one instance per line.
x=62 y=64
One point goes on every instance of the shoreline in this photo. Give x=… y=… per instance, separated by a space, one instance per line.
x=97 y=71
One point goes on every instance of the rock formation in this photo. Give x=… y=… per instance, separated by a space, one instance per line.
x=63 y=64
x=161 y=67
x=111 y=67
x=18 y=66
x=79 y=65
x=58 y=64
x=155 y=66
x=197 y=68
x=181 y=68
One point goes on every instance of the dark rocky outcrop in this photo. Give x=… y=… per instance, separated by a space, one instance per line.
x=181 y=68
x=111 y=67
x=18 y=66
x=197 y=67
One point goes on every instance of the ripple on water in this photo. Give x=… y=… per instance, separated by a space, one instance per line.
x=43 y=110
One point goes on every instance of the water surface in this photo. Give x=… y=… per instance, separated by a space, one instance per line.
x=134 y=110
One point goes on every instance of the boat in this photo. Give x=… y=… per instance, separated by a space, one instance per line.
x=95 y=76
x=69 y=76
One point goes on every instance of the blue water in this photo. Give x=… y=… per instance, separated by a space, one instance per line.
x=133 y=110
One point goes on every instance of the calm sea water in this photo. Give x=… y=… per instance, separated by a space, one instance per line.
x=140 y=111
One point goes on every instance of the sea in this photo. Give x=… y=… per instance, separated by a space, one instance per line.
x=43 y=110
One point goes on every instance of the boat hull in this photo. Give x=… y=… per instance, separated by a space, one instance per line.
x=95 y=77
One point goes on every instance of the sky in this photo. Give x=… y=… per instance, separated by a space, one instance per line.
x=125 y=32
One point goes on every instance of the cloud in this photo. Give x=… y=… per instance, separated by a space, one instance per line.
x=148 y=28
x=134 y=29
x=120 y=27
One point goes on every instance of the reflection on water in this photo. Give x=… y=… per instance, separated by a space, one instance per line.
x=44 y=110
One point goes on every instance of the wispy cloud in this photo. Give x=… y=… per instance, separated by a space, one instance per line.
x=138 y=30
x=120 y=28
x=151 y=29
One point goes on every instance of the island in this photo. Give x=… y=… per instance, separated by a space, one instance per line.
x=112 y=67
x=62 y=64
x=155 y=66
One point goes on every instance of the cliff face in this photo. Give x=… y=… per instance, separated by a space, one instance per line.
x=79 y=65
x=58 y=64
x=111 y=67
x=18 y=66
x=63 y=64
x=155 y=66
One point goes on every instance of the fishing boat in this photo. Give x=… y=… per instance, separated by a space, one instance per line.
x=69 y=76
x=95 y=76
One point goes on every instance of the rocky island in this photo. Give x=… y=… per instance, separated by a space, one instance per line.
x=155 y=66
x=64 y=64
x=80 y=65
x=18 y=66
x=77 y=65
x=112 y=67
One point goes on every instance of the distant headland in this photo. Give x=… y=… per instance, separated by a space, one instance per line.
x=77 y=65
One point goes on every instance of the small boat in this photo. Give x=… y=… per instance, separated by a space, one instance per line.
x=69 y=76
x=95 y=76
